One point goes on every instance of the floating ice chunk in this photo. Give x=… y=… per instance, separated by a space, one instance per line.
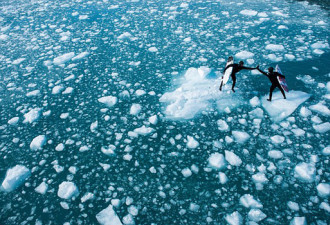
x=289 y=57
x=279 y=13
x=57 y=89
x=256 y=215
x=248 y=12
x=322 y=128
x=259 y=178
x=293 y=206
x=273 y=47
x=135 y=109
x=216 y=161
x=109 y=150
x=140 y=92
x=275 y=154
x=191 y=142
x=277 y=139
x=320 y=45
x=234 y=219
x=298 y=132
x=83 y=17
x=280 y=108
x=305 y=172
x=274 y=58
x=223 y=178
x=241 y=136
x=68 y=90
x=254 y=101
x=32 y=116
x=144 y=130
x=248 y=201
x=124 y=36
x=222 y=125
x=67 y=190
x=318 y=51
x=33 y=93
x=108 y=100
x=320 y=108
x=282 y=27
x=108 y=216
x=63 y=58
x=15 y=176
x=153 y=119
x=4 y=37
x=18 y=61
x=42 y=188
x=94 y=126
x=304 y=112
x=87 y=197
x=298 y=221
x=186 y=172
x=263 y=14
x=323 y=190
x=232 y=158
x=258 y=113
x=244 y=55
x=326 y=150
x=153 y=49
x=13 y=121
x=80 y=56
x=38 y=142
x=325 y=206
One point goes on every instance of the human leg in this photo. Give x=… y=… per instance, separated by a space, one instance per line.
x=234 y=82
x=271 y=92
x=282 y=91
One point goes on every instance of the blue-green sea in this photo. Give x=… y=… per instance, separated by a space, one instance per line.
x=110 y=112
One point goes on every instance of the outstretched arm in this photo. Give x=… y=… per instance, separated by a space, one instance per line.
x=264 y=73
x=231 y=65
x=248 y=68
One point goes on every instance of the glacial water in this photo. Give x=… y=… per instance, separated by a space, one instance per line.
x=110 y=113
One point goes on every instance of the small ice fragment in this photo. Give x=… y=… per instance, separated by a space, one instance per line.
x=32 y=116
x=256 y=215
x=232 y=158
x=67 y=190
x=248 y=201
x=217 y=160
x=305 y=172
x=248 y=12
x=186 y=172
x=298 y=221
x=38 y=142
x=15 y=176
x=108 y=217
x=191 y=142
x=323 y=190
x=63 y=58
x=135 y=109
x=108 y=100
x=153 y=119
x=241 y=136
x=42 y=188
x=234 y=219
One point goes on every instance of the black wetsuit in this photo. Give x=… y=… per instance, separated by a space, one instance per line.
x=273 y=78
x=236 y=69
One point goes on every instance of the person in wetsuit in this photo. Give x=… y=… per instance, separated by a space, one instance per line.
x=272 y=76
x=236 y=68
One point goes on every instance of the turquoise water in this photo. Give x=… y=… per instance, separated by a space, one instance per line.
x=145 y=174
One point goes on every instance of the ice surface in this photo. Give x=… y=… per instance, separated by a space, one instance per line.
x=191 y=142
x=248 y=12
x=195 y=94
x=80 y=56
x=13 y=121
x=323 y=190
x=322 y=128
x=108 y=100
x=234 y=219
x=280 y=108
x=108 y=216
x=63 y=58
x=135 y=109
x=186 y=172
x=240 y=136
x=244 y=55
x=274 y=47
x=232 y=158
x=15 y=176
x=256 y=215
x=32 y=116
x=67 y=190
x=320 y=108
x=38 y=142
x=305 y=172
x=248 y=201
x=217 y=161
x=42 y=188
x=298 y=221
x=144 y=130
x=222 y=125
x=153 y=119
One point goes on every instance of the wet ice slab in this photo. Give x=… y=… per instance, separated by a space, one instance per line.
x=279 y=108
x=15 y=177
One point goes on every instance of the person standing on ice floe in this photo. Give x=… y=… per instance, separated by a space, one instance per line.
x=236 y=68
x=272 y=76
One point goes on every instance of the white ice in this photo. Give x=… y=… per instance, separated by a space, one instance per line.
x=197 y=93
x=273 y=47
x=248 y=201
x=321 y=109
x=38 y=142
x=42 y=188
x=244 y=55
x=232 y=158
x=248 y=12
x=63 y=58
x=217 y=160
x=67 y=190
x=323 y=190
x=279 y=108
x=32 y=116
x=108 y=100
x=234 y=219
x=135 y=109
x=144 y=130
x=80 y=56
x=322 y=128
x=15 y=176
x=108 y=216
x=240 y=136
x=191 y=142
x=305 y=172
x=298 y=221
x=256 y=215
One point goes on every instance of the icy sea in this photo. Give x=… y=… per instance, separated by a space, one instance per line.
x=110 y=113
